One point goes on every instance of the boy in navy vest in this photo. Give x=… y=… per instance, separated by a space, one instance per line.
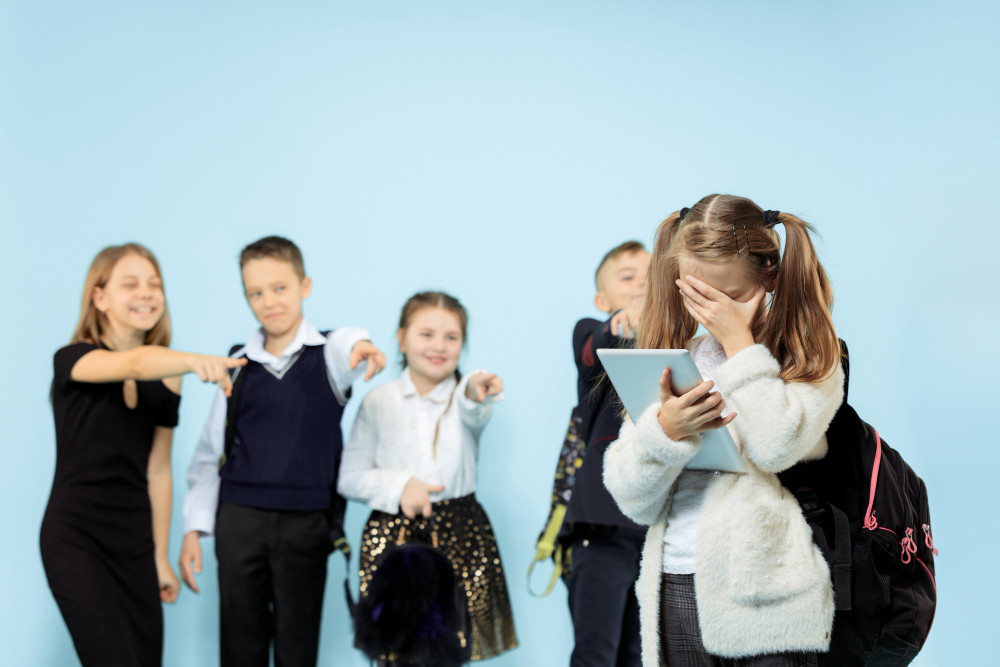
x=263 y=479
x=605 y=544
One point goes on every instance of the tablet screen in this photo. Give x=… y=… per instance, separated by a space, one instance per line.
x=635 y=375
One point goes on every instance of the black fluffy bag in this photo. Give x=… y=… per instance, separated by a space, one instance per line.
x=413 y=613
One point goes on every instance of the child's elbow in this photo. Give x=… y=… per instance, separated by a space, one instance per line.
x=773 y=464
x=777 y=453
x=132 y=364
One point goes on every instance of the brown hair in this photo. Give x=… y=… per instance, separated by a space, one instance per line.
x=422 y=300
x=626 y=248
x=93 y=324
x=275 y=247
x=797 y=327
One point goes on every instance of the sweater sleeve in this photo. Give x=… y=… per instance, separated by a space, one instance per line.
x=590 y=335
x=640 y=468
x=202 y=500
x=337 y=353
x=779 y=423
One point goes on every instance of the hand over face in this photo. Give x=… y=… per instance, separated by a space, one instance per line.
x=728 y=320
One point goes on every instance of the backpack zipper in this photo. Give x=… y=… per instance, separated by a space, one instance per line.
x=928 y=540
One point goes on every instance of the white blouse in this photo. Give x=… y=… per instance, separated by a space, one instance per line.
x=392 y=441
x=680 y=540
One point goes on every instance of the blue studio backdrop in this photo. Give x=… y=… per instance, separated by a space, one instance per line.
x=496 y=150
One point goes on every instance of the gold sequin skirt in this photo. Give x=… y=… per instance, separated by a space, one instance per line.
x=460 y=529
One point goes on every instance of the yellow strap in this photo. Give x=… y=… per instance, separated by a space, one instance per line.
x=342 y=545
x=546 y=547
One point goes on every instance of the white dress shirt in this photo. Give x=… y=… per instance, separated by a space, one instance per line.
x=392 y=442
x=202 y=497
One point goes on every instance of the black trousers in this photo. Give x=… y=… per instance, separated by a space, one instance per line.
x=272 y=573
x=602 y=601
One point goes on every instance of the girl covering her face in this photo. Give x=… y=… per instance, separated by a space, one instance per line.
x=729 y=567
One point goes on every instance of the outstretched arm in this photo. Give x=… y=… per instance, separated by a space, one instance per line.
x=476 y=394
x=152 y=362
x=349 y=353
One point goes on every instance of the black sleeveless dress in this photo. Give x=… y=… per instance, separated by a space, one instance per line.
x=97 y=533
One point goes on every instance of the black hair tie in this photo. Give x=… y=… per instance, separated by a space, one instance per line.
x=684 y=212
x=770 y=218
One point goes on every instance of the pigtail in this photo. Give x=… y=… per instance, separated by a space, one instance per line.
x=665 y=323
x=799 y=329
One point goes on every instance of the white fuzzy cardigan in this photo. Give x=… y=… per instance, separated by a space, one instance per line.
x=761 y=584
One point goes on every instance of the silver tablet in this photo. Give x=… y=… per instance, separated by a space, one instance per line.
x=635 y=375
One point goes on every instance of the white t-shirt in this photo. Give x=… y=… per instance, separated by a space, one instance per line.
x=680 y=541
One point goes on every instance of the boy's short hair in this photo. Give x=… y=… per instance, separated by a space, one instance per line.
x=275 y=247
x=626 y=248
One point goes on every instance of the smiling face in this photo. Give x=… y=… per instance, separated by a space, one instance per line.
x=431 y=343
x=132 y=299
x=275 y=293
x=621 y=280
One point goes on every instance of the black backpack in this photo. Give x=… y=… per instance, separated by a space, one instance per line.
x=869 y=515
x=553 y=540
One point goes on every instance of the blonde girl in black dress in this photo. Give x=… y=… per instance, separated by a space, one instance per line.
x=115 y=395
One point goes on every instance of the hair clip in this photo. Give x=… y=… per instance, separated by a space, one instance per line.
x=737 y=237
x=683 y=214
x=770 y=218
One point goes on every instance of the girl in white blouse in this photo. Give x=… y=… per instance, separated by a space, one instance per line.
x=411 y=457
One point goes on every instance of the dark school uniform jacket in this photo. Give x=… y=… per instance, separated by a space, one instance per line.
x=600 y=408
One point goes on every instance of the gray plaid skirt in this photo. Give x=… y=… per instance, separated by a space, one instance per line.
x=680 y=636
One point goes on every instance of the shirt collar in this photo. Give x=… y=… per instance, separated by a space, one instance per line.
x=439 y=394
x=306 y=334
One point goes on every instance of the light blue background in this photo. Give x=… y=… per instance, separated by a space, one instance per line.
x=496 y=150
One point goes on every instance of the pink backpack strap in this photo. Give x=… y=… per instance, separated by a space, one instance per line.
x=871 y=523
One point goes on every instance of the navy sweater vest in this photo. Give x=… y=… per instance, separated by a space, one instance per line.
x=287 y=441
